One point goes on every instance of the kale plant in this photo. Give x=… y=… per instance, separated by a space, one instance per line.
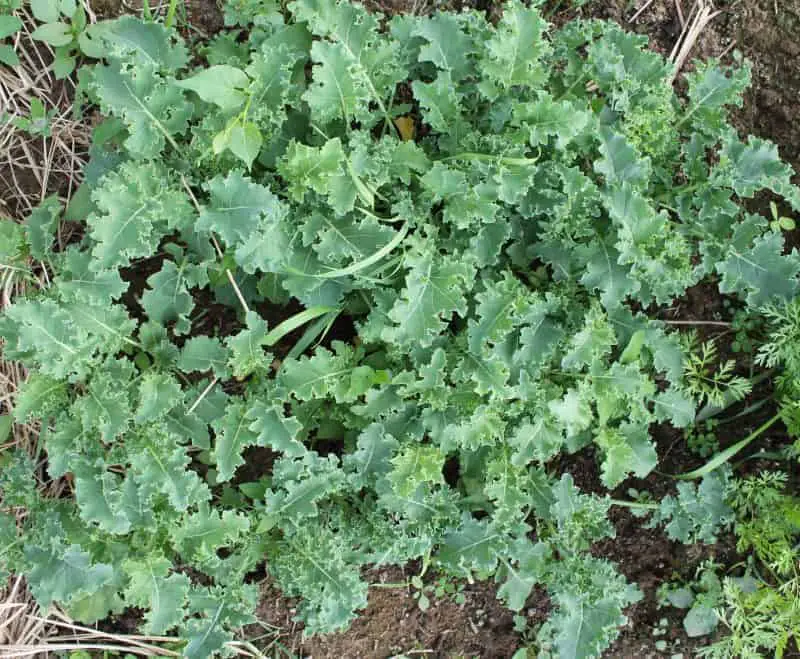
x=344 y=292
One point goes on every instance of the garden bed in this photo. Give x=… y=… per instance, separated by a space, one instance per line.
x=466 y=619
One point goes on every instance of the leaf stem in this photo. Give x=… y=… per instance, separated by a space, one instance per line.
x=634 y=504
x=232 y=281
x=202 y=395
x=171 y=10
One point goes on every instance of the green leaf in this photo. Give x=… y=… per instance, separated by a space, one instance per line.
x=61 y=576
x=223 y=85
x=163 y=596
x=136 y=208
x=620 y=162
x=148 y=45
x=247 y=352
x=627 y=450
x=275 y=430
x=8 y=55
x=447 y=45
x=9 y=25
x=517 y=47
x=673 y=406
x=159 y=466
x=45 y=11
x=310 y=168
x=63 y=341
x=203 y=353
x=762 y=272
x=158 y=394
x=546 y=118
x=79 y=281
x=415 y=465
x=238 y=208
x=41 y=225
x=39 y=397
x=473 y=547
x=167 y=300
x=233 y=435
x=53 y=34
x=6 y=427
x=100 y=497
x=245 y=141
x=434 y=289
x=207 y=531
x=154 y=109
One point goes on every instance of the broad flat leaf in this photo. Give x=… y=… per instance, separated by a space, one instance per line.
x=275 y=430
x=233 y=435
x=79 y=281
x=434 y=289
x=620 y=162
x=700 y=621
x=244 y=141
x=40 y=227
x=448 y=46
x=517 y=47
x=546 y=118
x=208 y=530
x=247 y=348
x=762 y=272
x=159 y=465
x=54 y=34
x=100 y=497
x=711 y=88
x=531 y=569
x=9 y=24
x=673 y=406
x=604 y=273
x=153 y=109
x=8 y=55
x=203 y=353
x=39 y=397
x=106 y=405
x=158 y=394
x=147 y=44
x=60 y=576
x=627 y=450
x=63 y=341
x=374 y=450
x=167 y=298
x=223 y=85
x=473 y=547
x=45 y=11
x=310 y=168
x=750 y=167
x=311 y=563
x=441 y=105
x=498 y=307
x=415 y=465
x=206 y=638
x=337 y=91
x=136 y=207
x=539 y=439
x=238 y=208
x=164 y=597
x=585 y=626
x=355 y=67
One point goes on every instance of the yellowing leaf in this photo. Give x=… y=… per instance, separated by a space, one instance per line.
x=405 y=126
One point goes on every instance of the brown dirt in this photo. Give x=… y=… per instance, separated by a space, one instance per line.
x=393 y=624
